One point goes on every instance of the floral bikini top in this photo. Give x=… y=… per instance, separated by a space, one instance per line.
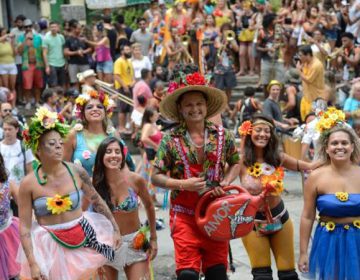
x=266 y=176
x=130 y=204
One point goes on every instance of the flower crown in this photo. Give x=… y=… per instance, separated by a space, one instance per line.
x=43 y=121
x=194 y=79
x=329 y=119
x=246 y=127
x=84 y=98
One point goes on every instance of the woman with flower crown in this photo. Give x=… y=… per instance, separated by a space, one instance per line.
x=94 y=110
x=262 y=170
x=63 y=242
x=333 y=190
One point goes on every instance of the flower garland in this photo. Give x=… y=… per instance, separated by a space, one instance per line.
x=194 y=79
x=329 y=119
x=330 y=226
x=84 y=98
x=43 y=121
x=271 y=178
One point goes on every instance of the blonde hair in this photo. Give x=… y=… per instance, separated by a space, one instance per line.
x=353 y=88
x=354 y=139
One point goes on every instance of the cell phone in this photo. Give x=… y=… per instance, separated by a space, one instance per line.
x=288 y=21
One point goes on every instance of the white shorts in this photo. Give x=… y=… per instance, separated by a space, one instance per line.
x=8 y=69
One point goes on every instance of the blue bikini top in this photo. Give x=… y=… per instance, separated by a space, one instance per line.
x=40 y=207
x=330 y=205
x=129 y=204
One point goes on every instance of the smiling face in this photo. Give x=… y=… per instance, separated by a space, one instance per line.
x=192 y=107
x=260 y=135
x=113 y=157
x=51 y=146
x=339 y=147
x=94 y=111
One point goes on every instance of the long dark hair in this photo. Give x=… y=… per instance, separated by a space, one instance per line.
x=3 y=172
x=148 y=114
x=99 y=177
x=271 y=151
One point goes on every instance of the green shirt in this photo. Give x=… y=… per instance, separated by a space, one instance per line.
x=55 y=49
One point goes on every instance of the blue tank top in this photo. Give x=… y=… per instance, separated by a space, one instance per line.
x=83 y=155
x=330 y=205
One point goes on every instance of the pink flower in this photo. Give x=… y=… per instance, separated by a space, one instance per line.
x=172 y=87
x=86 y=154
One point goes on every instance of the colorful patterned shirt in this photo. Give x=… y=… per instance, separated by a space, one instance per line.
x=169 y=160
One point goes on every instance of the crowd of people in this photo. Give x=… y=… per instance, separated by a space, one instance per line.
x=71 y=192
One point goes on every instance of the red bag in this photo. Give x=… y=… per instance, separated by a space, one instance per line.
x=227 y=217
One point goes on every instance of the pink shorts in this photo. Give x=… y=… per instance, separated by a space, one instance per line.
x=32 y=77
x=193 y=250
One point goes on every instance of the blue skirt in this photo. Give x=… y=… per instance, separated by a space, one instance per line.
x=335 y=252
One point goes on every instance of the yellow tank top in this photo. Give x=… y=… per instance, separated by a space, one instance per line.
x=6 y=53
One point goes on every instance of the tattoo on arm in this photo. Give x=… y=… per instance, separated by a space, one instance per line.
x=95 y=199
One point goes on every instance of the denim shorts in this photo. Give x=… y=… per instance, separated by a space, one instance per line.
x=106 y=67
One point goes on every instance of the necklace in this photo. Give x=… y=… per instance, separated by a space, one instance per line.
x=193 y=143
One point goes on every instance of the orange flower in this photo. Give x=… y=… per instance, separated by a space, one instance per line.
x=245 y=128
x=139 y=240
x=93 y=94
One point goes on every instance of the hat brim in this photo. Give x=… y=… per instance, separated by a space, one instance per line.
x=216 y=101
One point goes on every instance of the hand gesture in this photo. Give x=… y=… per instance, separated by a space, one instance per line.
x=117 y=240
x=303 y=263
x=153 y=249
x=47 y=70
x=194 y=184
x=36 y=273
x=217 y=191
x=299 y=66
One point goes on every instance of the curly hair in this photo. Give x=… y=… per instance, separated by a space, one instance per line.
x=271 y=151
x=324 y=141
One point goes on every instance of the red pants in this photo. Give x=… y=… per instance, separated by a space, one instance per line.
x=193 y=250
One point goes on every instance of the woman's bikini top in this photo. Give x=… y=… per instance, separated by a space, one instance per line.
x=41 y=208
x=130 y=204
x=330 y=205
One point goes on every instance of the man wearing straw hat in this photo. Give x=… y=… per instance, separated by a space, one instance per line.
x=195 y=154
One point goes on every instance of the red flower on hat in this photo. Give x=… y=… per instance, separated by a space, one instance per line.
x=172 y=87
x=195 y=79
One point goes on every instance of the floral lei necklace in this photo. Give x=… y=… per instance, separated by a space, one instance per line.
x=271 y=178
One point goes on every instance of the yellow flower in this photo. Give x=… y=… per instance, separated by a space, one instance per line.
x=356 y=223
x=257 y=165
x=58 y=204
x=346 y=227
x=342 y=196
x=43 y=113
x=327 y=124
x=106 y=101
x=81 y=101
x=330 y=226
x=334 y=117
x=332 y=110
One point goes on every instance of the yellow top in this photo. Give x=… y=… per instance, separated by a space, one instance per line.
x=314 y=87
x=6 y=53
x=219 y=21
x=125 y=70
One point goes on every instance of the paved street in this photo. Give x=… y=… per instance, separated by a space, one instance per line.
x=164 y=263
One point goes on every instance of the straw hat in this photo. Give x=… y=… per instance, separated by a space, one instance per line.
x=86 y=74
x=216 y=100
